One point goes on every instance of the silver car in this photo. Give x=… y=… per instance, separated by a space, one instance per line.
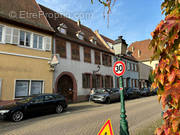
x=105 y=95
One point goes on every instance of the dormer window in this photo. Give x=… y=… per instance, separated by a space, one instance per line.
x=93 y=40
x=133 y=49
x=62 y=28
x=139 y=53
x=80 y=35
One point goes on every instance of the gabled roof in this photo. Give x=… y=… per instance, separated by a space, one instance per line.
x=22 y=11
x=107 y=39
x=72 y=29
x=143 y=46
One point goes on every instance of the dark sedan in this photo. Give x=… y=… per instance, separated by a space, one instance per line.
x=106 y=95
x=33 y=105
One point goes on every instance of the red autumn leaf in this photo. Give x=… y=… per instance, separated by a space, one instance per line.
x=159 y=131
x=176 y=63
x=161 y=78
x=171 y=76
x=162 y=65
x=175 y=125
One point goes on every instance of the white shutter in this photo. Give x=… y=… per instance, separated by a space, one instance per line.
x=47 y=43
x=15 y=39
x=8 y=35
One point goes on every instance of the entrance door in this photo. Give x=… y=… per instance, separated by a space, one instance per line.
x=65 y=87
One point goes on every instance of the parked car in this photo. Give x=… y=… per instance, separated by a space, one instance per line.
x=137 y=92
x=145 y=92
x=132 y=93
x=106 y=95
x=33 y=105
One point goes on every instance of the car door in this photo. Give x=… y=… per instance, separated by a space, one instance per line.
x=36 y=105
x=113 y=95
x=49 y=103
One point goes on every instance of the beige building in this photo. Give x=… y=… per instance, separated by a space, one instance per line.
x=140 y=50
x=25 y=49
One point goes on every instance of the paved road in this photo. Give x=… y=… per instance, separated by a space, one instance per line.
x=87 y=119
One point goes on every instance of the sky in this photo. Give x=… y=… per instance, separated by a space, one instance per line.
x=132 y=19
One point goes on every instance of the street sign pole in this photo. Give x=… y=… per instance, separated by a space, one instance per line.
x=123 y=121
x=119 y=69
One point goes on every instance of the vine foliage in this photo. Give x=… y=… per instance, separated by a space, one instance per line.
x=166 y=45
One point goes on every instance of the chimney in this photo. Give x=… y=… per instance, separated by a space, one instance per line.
x=79 y=22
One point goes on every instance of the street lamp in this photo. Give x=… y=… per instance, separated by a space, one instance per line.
x=120 y=48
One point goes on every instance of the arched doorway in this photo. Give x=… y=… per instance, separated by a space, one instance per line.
x=67 y=86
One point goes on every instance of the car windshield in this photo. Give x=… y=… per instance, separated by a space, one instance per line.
x=25 y=100
x=101 y=91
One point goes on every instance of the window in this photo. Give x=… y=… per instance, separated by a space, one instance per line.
x=139 y=53
x=86 y=80
x=26 y=87
x=63 y=31
x=80 y=35
x=61 y=47
x=36 y=87
x=22 y=88
x=49 y=98
x=102 y=81
x=98 y=81
x=25 y=38
x=110 y=61
x=107 y=81
x=105 y=59
x=132 y=67
x=62 y=28
x=97 y=57
x=93 y=40
x=128 y=66
x=39 y=99
x=75 y=52
x=37 y=41
x=135 y=67
x=111 y=82
x=132 y=49
x=87 y=54
x=1 y=32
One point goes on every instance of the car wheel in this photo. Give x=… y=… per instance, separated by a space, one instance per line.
x=17 y=116
x=59 y=109
x=108 y=101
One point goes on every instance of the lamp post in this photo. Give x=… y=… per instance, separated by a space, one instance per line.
x=123 y=121
x=120 y=49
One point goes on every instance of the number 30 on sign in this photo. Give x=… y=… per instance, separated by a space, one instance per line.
x=119 y=68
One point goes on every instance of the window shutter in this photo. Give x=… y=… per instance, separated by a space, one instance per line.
x=8 y=35
x=15 y=39
x=47 y=43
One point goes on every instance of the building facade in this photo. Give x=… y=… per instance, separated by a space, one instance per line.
x=85 y=63
x=144 y=72
x=131 y=76
x=140 y=50
x=25 y=49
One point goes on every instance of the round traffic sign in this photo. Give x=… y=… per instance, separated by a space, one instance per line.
x=119 y=68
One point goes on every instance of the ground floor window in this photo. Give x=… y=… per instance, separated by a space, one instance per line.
x=86 y=80
x=28 y=87
x=107 y=81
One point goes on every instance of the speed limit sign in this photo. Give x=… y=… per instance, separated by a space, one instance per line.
x=119 y=68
